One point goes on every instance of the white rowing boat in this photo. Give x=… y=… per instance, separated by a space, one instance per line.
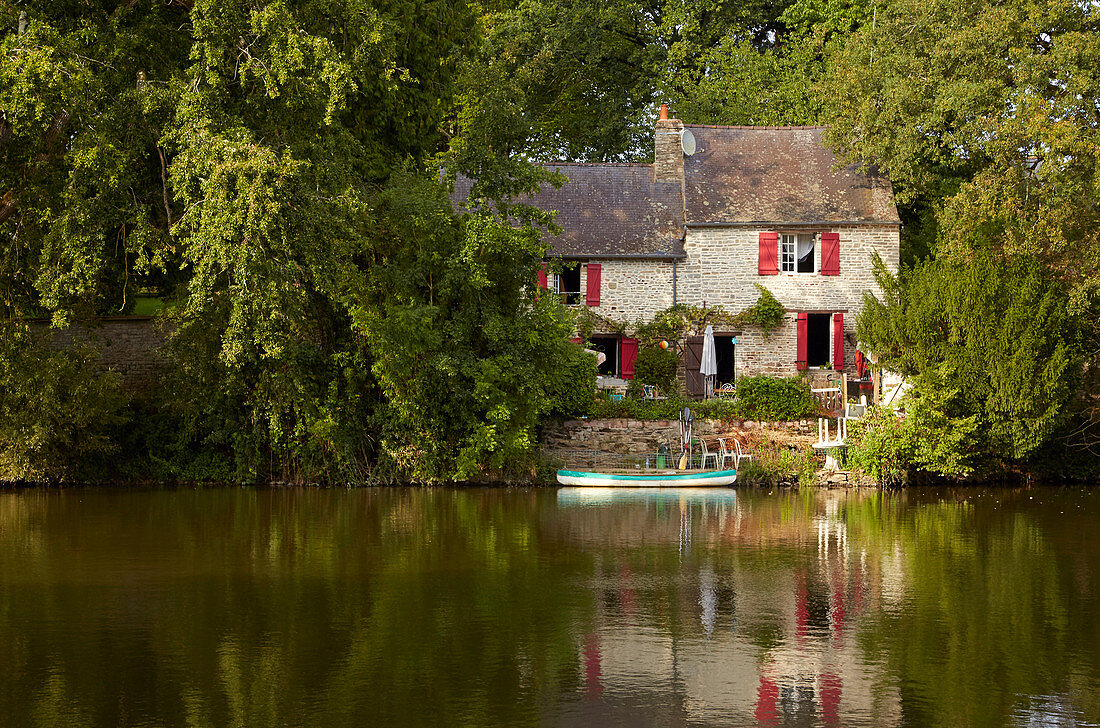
x=651 y=479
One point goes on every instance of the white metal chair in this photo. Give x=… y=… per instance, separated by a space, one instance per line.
x=739 y=454
x=707 y=454
x=724 y=453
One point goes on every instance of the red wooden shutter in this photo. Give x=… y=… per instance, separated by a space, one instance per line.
x=830 y=254
x=800 y=341
x=838 y=341
x=630 y=353
x=593 y=298
x=693 y=357
x=768 y=264
x=542 y=276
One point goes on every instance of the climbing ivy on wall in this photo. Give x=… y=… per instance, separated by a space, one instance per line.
x=767 y=312
x=677 y=321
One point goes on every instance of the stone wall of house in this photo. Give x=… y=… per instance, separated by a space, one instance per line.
x=127 y=345
x=722 y=264
x=631 y=289
x=721 y=270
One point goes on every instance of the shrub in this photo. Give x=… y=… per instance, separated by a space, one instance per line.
x=658 y=367
x=774 y=398
x=56 y=410
x=993 y=351
x=637 y=409
x=880 y=445
x=770 y=467
x=570 y=390
x=932 y=437
x=758 y=398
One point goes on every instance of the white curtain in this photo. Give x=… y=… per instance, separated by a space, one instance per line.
x=806 y=247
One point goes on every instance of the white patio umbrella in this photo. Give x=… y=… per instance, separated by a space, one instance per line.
x=708 y=367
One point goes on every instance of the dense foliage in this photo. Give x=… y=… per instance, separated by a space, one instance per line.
x=273 y=169
x=991 y=350
x=985 y=117
x=760 y=398
x=56 y=412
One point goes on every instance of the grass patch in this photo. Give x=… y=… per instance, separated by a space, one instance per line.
x=147 y=306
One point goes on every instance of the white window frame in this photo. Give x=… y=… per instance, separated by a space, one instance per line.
x=788 y=252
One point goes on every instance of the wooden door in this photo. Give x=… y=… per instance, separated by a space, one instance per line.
x=693 y=357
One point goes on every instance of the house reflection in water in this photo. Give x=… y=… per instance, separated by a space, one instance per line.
x=757 y=625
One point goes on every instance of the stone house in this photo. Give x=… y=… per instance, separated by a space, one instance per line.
x=720 y=209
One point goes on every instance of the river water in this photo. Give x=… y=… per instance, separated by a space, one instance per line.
x=549 y=607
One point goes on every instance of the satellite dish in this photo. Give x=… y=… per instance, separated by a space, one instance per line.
x=687 y=142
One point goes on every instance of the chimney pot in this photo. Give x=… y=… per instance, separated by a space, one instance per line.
x=664 y=112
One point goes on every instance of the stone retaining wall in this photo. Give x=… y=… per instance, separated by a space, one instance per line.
x=638 y=437
x=568 y=441
x=127 y=344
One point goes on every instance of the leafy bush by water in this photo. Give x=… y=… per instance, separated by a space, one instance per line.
x=56 y=410
x=771 y=467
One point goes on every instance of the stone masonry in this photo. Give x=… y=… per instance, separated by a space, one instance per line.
x=632 y=290
x=721 y=269
x=641 y=437
x=127 y=345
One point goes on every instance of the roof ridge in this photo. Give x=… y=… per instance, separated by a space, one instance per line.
x=596 y=164
x=791 y=127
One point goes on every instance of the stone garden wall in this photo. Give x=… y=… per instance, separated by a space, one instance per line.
x=127 y=345
x=639 y=437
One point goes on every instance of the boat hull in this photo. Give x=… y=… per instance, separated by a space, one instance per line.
x=691 y=479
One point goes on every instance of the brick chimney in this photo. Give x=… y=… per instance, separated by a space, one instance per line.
x=668 y=155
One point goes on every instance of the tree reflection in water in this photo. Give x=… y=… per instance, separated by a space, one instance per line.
x=550 y=607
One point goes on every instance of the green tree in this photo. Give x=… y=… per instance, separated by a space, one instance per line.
x=467 y=358
x=84 y=203
x=986 y=114
x=557 y=79
x=984 y=117
x=255 y=158
x=993 y=351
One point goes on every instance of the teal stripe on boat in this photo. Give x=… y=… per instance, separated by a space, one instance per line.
x=635 y=478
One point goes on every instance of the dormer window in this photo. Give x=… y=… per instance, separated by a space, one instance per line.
x=796 y=253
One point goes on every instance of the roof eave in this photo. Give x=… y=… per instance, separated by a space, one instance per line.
x=790 y=223
x=617 y=256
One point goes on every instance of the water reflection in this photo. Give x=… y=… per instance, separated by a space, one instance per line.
x=566 y=607
x=754 y=619
x=595 y=497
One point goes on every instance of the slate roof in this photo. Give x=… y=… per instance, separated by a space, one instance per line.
x=744 y=174
x=738 y=175
x=611 y=210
